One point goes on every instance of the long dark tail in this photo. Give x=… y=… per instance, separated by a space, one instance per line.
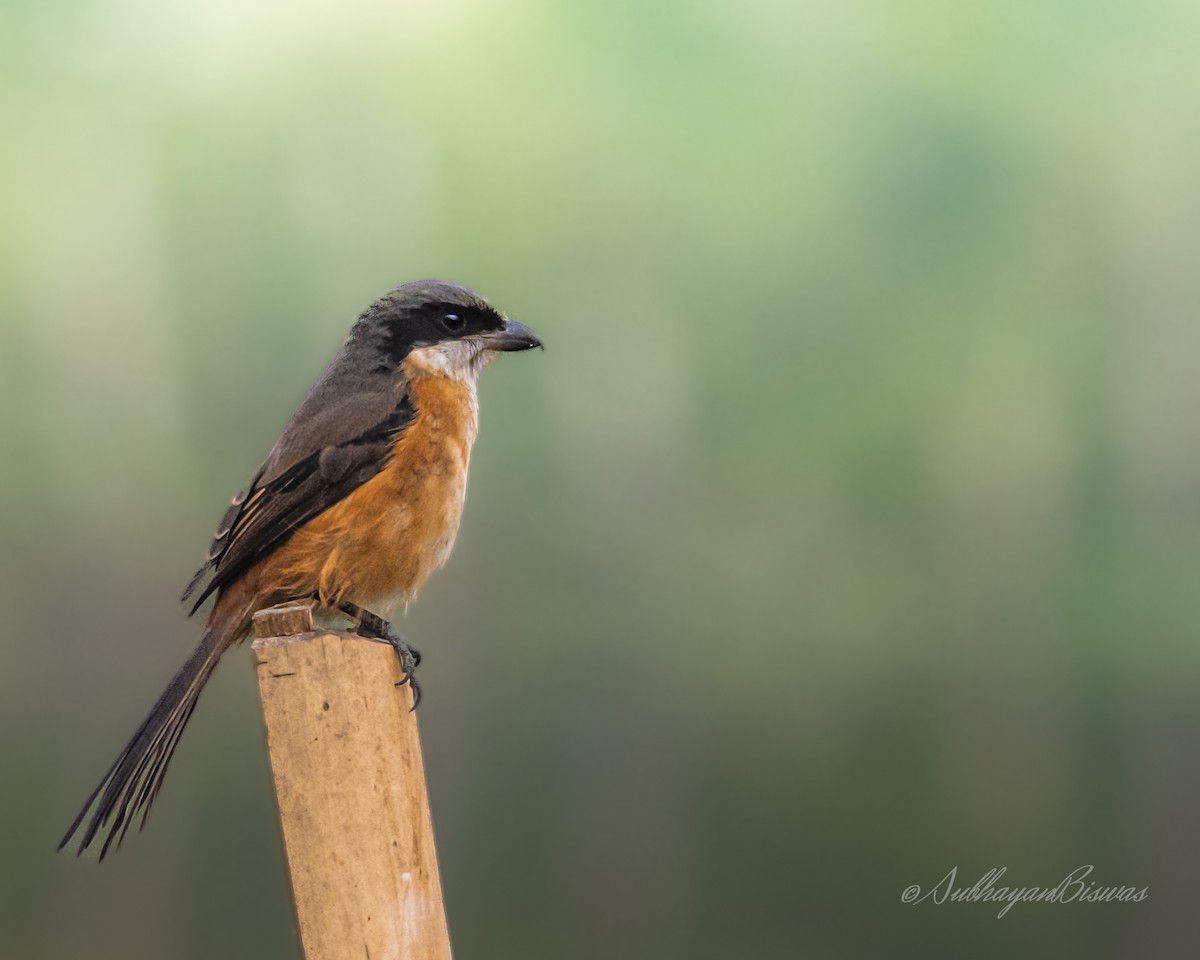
x=132 y=783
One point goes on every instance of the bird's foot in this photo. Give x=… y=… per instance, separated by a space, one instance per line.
x=374 y=627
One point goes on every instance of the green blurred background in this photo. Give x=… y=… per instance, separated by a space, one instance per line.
x=844 y=533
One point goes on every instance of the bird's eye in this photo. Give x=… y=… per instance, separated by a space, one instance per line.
x=454 y=323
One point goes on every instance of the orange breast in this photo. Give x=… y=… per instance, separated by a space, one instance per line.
x=379 y=545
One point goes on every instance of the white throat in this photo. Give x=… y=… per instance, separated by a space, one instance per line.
x=455 y=359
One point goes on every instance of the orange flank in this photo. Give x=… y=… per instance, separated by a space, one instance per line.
x=378 y=546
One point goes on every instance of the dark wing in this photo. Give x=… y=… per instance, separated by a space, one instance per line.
x=294 y=486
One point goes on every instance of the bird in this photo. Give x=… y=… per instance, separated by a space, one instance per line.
x=358 y=501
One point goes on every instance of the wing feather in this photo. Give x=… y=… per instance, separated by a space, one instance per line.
x=290 y=489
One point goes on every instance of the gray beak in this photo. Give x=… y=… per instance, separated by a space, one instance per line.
x=511 y=337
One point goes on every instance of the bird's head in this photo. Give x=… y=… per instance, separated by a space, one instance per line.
x=435 y=328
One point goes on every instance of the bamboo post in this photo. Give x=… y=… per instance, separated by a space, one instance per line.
x=350 y=783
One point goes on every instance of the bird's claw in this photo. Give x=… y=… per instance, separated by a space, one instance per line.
x=410 y=659
x=373 y=627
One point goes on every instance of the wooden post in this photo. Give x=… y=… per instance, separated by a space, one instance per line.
x=351 y=789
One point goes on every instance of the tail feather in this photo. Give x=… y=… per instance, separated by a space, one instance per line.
x=133 y=781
